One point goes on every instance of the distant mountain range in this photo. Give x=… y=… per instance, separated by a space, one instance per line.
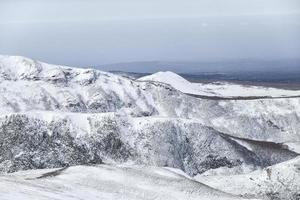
x=197 y=67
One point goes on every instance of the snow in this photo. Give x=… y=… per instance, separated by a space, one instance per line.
x=26 y=84
x=293 y=146
x=105 y=182
x=219 y=89
x=145 y=121
x=280 y=181
x=30 y=85
x=172 y=79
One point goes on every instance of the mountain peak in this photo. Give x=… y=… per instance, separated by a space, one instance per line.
x=166 y=77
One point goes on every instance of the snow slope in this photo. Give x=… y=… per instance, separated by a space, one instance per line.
x=105 y=182
x=217 y=89
x=280 y=181
x=26 y=84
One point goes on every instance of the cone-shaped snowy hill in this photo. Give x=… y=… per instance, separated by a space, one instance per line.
x=55 y=116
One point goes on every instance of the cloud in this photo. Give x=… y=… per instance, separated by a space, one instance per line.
x=93 y=32
x=76 y=10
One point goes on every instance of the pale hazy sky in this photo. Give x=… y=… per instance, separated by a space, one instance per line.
x=80 y=33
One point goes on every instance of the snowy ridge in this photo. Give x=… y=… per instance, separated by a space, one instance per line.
x=56 y=116
x=33 y=85
x=217 y=89
x=29 y=141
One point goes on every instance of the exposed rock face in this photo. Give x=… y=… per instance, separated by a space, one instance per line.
x=29 y=143
x=66 y=116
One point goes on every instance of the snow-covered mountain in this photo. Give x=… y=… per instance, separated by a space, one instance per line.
x=56 y=116
x=46 y=140
x=32 y=85
x=218 y=89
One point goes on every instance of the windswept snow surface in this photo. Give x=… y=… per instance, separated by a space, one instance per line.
x=217 y=89
x=55 y=116
x=105 y=182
